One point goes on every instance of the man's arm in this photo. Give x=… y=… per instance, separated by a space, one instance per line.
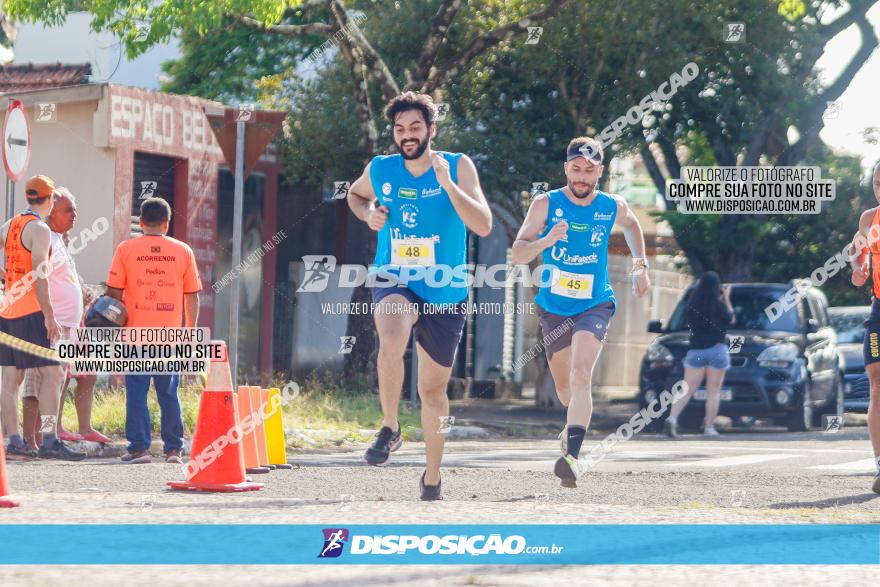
x=191 y=305
x=467 y=196
x=37 y=237
x=527 y=245
x=860 y=262
x=3 y=230
x=361 y=199
x=635 y=240
x=114 y=292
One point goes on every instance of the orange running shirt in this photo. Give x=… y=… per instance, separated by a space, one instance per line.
x=154 y=272
x=20 y=298
x=874 y=249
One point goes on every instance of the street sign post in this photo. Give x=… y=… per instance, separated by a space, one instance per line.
x=242 y=140
x=16 y=149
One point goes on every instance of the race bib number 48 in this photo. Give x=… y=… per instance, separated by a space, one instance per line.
x=412 y=251
x=572 y=285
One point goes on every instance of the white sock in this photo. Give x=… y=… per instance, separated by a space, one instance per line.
x=877 y=464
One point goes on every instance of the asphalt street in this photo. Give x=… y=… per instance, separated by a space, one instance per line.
x=763 y=476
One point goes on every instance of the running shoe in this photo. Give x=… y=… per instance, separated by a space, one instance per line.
x=568 y=469
x=563 y=440
x=58 y=451
x=21 y=452
x=386 y=443
x=876 y=486
x=137 y=458
x=710 y=431
x=430 y=492
x=670 y=427
x=173 y=457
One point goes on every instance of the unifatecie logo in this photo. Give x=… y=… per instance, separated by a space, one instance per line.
x=334 y=541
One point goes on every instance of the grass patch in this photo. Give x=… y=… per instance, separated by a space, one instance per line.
x=319 y=406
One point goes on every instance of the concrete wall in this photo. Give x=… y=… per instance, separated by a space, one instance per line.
x=64 y=151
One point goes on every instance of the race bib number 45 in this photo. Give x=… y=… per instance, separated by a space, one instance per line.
x=412 y=251
x=572 y=285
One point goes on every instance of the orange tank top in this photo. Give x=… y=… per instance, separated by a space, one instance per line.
x=20 y=297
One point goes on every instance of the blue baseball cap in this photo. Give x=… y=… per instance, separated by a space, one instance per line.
x=591 y=150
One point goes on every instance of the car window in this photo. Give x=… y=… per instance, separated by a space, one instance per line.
x=849 y=326
x=749 y=308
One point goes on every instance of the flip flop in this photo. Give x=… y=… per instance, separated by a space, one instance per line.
x=97 y=437
x=70 y=436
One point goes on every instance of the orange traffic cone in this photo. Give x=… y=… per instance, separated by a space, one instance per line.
x=216 y=462
x=260 y=430
x=275 y=442
x=249 y=440
x=5 y=501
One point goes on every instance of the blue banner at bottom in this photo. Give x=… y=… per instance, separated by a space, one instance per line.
x=594 y=544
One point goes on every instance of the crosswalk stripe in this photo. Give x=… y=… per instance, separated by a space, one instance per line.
x=733 y=461
x=860 y=465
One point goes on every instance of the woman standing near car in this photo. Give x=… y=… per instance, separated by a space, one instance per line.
x=708 y=314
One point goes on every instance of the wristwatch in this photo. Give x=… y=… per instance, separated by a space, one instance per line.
x=639 y=264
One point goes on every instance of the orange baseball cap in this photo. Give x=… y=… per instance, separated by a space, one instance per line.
x=39 y=186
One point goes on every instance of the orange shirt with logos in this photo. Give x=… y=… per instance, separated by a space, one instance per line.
x=21 y=296
x=154 y=272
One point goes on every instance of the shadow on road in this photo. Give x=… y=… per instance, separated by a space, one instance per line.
x=826 y=503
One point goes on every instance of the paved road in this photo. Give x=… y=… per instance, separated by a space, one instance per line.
x=758 y=477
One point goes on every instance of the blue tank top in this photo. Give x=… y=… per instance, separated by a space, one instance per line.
x=580 y=265
x=423 y=231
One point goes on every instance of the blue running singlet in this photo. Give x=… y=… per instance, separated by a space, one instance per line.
x=579 y=265
x=424 y=237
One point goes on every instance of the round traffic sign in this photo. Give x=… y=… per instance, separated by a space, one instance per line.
x=16 y=141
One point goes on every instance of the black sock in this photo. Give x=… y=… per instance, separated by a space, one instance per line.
x=575 y=439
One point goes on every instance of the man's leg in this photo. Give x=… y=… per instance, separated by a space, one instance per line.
x=394 y=322
x=393 y=325
x=30 y=407
x=137 y=414
x=12 y=379
x=60 y=425
x=83 y=398
x=51 y=379
x=433 y=380
x=585 y=349
x=873 y=370
x=171 y=419
x=560 y=368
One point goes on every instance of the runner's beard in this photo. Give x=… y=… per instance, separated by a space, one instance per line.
x=582 y=194
x=420 y=149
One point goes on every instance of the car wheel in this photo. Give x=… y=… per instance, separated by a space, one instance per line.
x=802 y=417
x=692 y=419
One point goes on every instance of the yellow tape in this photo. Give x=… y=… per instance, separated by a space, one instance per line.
x=31 y=348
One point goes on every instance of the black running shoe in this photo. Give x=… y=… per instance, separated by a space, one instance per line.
x=60 y=452
x=430 y=492
x=567 y=468
x=386 y=443
x=876 y=486
x=21 y=452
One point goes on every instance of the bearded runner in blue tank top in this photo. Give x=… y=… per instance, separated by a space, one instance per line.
x=570 y=228
x=421 y=202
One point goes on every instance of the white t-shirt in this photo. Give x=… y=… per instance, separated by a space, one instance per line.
x=64 y=288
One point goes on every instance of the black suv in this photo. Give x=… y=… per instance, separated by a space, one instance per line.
x=789 y=369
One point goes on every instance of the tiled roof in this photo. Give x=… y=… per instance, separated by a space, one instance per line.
x=28 y=76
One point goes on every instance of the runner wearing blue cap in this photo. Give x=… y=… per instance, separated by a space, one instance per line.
x=570 y=228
